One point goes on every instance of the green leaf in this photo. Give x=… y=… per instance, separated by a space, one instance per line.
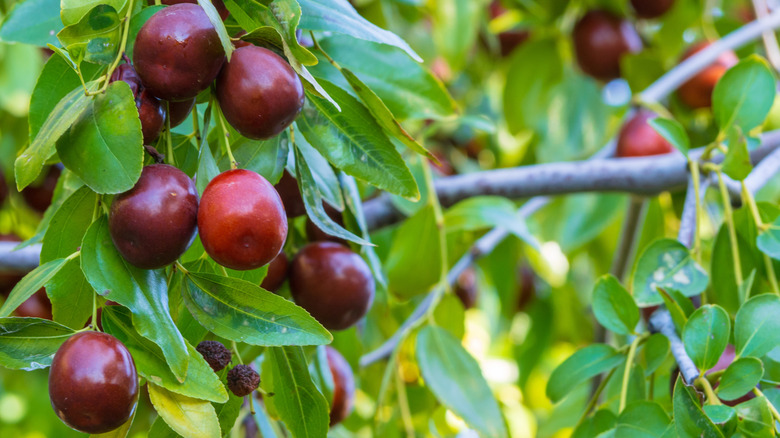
x=98 y=34
x=744 y=95
x=769 y=241
x=456 y=380
x=723 y=287
x=267 y=157
x=56 y=80
x=740 y=377
x=187 y=416
x=68 y=225
x=104 y=147
x=455 y=26
x=488 y=212
x=30 y=284
x=667 y=264
x=352 y=141
x=228 y=413
x=673 y=132
x=755 y=418
x=296 y=399
x=219 y=26
x=72 y=11
x=654 y=352
x=284 y=16
x=312 y=201
x=326 y=180
x=602 y=421
x=30 y=343
x=757 y=327
x=678 y=314
x=339 y=16
x=201 y=381
x=614 y=307
x=642 y=419
x=70 y=108
x=408 y=88
x=723 y=416
x=581 y=366
x=706 y=335
x=244 y=312
x=737 y=163
x=71 y=295
x=33 y=22
x=689 y=420
x=143 y=291
x=414 y=262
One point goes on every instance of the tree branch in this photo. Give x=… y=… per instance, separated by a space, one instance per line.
x=661 y=322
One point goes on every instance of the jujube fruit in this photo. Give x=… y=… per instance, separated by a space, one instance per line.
x=150 y=110
x=154 y=223
x=651 y=8
x=332 y=283
x=259 y=93
x=277 y=273
x=218 y=4
x=215 y=354
x=697 y=91
x=601 y=39
x=288 y=190
x=242 y=380
x=93 y=383
x=638 y=139
x=466 y=288
x=178 y=111
x=241 y=220
x=177 y=52
x=343 y=386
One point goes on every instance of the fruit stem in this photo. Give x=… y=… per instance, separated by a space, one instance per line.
x=170 y=159
x=94 y=312
x=225 y=135
x=712 y=399
x=238 y=355
x=627 y=372
x=403 y=402
x=696 y=178
x=728 y=213
x=181 y=268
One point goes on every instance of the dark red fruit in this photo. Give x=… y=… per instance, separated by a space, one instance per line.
x=343 y=386
x=697 y=91
x=218 y=4
x=466 y=288
x=259 y=93
x=638 y=139
x=150 y=109
x=241 y=220
x=315 y=234
x=178 y=53
x=3 y=189
x=527 y=286
x=93 y=384
x=277 y=273
x=651 y=8
x=600 y=41
x=291 y=195
x=37 y=306
x=38 y=196
x=178 y=111
x=153 y=223
x=216 y=355
x=332 y=283
x=509 y=40
x=242 y=380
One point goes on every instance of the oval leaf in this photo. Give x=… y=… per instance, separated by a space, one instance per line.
x=642 y=419
x=30 y=343
x=187 y=416
x=740 y=377
x=744 y=95
x=614 y=307
x=456 y=380
x=706 y=335
x=666 y=264
x=581 y=366
x=757 y=326
x=689 y=420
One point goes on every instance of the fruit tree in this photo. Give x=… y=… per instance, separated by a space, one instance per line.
x=434 y=218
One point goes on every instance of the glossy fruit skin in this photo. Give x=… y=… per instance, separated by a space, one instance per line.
x=277 y=273
x=651 y=8
x=241 y=220
x=178 y=53
x=600 y=41
x=150 y=109
x=259 y=93
x=638 y=139
x=93 y=383
x=39 y=196
x=343 y=386
x=697 y=91
x=218 y=4
x=153 y=223
x=332 y=283
x=179 y=111
x=291 y=195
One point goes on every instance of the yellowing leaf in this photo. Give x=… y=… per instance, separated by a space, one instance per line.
x=189 y=417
